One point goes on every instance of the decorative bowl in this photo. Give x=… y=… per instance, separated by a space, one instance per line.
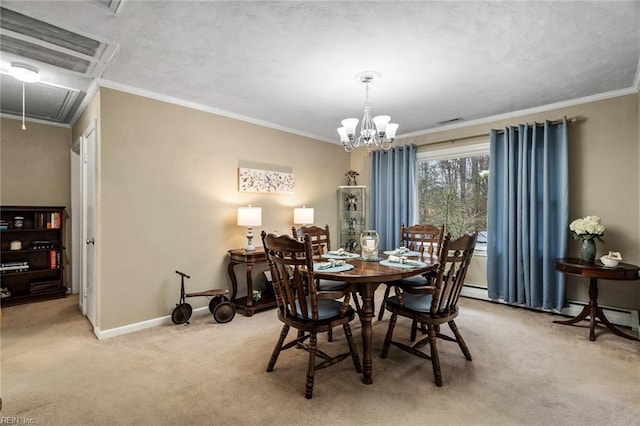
x=608 y=261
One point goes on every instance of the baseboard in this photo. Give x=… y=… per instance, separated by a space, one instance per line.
x=126 y=329
x=622 y=317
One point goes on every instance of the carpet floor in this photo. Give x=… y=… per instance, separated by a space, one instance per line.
x=525 y=371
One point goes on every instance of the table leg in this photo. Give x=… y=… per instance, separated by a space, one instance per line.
x=605 y=321
x=594 y=311
x=366 y=319
x=593 y=307
x=234 y=281
x=249 y=310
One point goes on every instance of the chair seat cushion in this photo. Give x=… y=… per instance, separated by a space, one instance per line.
x=414 y=302
x=327 y=308
x=328 y=285
x=414 y=281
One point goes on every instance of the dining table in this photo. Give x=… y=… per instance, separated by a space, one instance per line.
x=366 y=276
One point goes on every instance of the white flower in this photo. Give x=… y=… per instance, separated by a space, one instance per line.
x=587 y=227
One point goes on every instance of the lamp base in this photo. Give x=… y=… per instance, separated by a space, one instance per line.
x=250 y=246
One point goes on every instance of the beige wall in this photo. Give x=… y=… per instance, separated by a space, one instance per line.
x=168 y=190
x=34 y=168
x=34 y=164
x=168 y=194
x=603 y=180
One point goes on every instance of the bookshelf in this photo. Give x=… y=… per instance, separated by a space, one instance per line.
x=32 y=254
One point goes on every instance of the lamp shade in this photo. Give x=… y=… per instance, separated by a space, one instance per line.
x=249 y=216
x=303 y=215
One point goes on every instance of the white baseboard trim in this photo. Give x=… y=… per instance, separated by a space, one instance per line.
x=126 y=329
x=623 y=317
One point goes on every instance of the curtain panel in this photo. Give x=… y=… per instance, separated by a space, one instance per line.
x=392 y=198
x=528 y=213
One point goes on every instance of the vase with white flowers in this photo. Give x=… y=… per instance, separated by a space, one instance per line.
x=588 y=229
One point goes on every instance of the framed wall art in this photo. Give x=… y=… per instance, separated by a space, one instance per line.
x=266 y=181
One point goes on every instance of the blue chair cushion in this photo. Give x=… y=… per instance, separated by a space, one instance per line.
x=327 y=308
x=414 y=302
x=328 y=285
x=415 y=281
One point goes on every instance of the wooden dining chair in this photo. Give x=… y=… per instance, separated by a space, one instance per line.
x=435 y=304
x=425 y=239
x=302 y=306
x=321 y=244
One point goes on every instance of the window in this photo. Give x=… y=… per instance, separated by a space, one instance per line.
x=452 y=189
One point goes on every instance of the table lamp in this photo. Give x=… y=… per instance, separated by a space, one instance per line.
x=249 y=217
x=303 y=215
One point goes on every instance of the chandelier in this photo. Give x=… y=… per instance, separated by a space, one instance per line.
x=376 y=130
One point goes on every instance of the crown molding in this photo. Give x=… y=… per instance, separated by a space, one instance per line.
x=529 y=111
x=193 y=105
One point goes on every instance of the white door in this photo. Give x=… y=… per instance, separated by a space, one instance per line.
x=89 y=290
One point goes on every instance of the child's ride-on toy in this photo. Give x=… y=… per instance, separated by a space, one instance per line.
x=219 y=305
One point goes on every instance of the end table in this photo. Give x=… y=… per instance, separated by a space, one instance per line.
x=248 y=259
x=593 y=271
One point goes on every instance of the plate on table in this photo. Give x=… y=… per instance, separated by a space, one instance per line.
x=409 y=253
x=318 y=267
x=386 y=262
x=345 y=255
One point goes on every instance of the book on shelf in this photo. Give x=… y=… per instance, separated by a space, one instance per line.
x=53 y=264
x=47 y=220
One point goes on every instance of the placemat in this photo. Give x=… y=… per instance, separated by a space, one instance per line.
x=340 y=268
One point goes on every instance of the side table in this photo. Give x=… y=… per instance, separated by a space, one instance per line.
x=248 y=259
x=593 y=271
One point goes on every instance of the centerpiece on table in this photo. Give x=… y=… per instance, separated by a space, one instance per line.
x=587 y=229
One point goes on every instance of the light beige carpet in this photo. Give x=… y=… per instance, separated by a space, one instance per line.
x=525 y=371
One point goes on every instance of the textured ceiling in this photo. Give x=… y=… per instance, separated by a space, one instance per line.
x=291 y=65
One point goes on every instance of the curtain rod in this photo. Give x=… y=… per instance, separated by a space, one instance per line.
x=570 y=120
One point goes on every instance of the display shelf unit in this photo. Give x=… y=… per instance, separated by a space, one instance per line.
x=351 y=216
x=31 y=254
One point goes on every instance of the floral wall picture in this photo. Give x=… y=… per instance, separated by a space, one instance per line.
x=254 y=180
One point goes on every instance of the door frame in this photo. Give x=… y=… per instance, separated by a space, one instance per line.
x=84 y=161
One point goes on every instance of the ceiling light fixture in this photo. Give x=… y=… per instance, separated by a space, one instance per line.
x=25 y=74
x=382 y=135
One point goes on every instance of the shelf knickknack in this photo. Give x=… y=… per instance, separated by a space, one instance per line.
x=266 y=181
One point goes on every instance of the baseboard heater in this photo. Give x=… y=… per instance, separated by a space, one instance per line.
x=622 y=317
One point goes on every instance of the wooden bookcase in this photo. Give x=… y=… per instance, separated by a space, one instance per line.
x=32 y=254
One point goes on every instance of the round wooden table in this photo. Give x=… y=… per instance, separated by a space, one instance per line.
x=593 y=271
x=367 y=276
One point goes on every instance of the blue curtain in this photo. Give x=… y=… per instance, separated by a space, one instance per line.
x=392 y=193
x=528 y=211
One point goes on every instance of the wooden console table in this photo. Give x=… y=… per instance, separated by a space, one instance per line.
x=593 y=271
x=248 y=259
